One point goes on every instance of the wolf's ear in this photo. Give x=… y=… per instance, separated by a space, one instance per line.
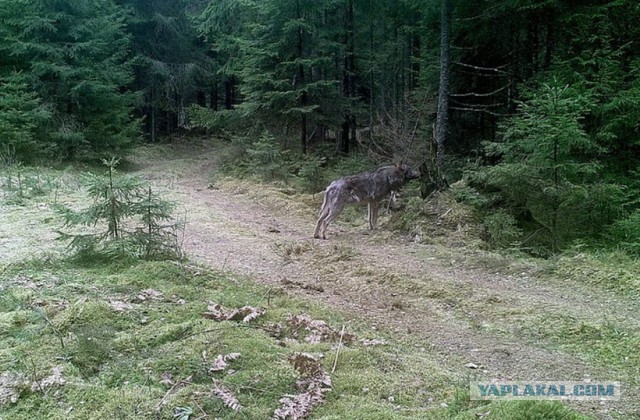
x=399 y=164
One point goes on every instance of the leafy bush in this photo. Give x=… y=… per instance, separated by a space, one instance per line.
x=413 y=213
x=265 y=157
x=463 y=193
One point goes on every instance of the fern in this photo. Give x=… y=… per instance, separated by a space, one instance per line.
x=246 y=313
x=221 y=362
x=226 y=396
x=316 y=330
x=315 y=382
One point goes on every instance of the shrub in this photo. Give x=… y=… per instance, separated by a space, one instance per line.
x=310 y=173
x=131 y=216
x=265 y=158
x=548 y=178
x=625 y=233
x=501 y=229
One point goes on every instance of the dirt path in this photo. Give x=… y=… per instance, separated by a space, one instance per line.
x=462 y=314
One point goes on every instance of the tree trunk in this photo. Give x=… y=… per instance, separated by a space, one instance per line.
x=300 y=82
x=550 y=41
x=442 y=121
x=213 y=103
x=201 y=98
x=348 y=137
x=228 y=91
x=372 y=86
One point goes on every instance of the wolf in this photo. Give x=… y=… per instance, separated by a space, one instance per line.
x=364 y=188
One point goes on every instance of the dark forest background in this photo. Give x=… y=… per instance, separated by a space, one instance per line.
x=542 y=98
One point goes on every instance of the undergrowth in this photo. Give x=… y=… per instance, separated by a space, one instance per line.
x=264 y=159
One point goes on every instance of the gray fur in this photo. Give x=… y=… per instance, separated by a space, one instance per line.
x=365 y=188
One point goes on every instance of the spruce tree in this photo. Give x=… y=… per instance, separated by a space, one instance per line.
x=22 y=118
x=549 y=177
x=127 y=219
x=76 y=56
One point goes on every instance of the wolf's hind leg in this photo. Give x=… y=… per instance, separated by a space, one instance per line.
x=324 y=211
x=334 y=211
x=373 y=215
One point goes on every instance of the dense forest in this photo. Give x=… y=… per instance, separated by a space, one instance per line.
x=533 y=104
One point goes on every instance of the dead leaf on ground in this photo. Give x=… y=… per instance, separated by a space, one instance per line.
x=219 y=313
x=221 y=362
x=315 y=382
x=120 y=306
x=11 y=386
x=317 y=330
x=148 y=294
x=373 y=342
x=55 y=378
x=226 y=396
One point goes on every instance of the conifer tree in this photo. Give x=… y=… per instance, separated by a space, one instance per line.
x=75 y=54
x=548 y=174
x=129 y=220
x=22 y=117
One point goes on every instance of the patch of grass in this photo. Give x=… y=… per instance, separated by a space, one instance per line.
x=20 y=184
x=532 y=410
x=114 y=360
x=612 y=270
x=439 y=220
x=291 y=250
x=132 y=343
x=606 y=342
x=339 y=252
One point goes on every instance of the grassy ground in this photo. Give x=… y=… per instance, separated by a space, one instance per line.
x=132 y=342
x=93 y=341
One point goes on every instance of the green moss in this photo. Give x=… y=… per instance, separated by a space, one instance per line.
x=116 y=359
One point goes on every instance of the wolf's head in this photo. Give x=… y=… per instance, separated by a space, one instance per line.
x=408 y=173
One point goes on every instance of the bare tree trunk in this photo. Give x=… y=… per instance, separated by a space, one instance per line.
x=348 y=137
x=213 y=103
x=300 y=82
x=442 y=121
x=228 y=90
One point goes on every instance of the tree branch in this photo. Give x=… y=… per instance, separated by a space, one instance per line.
x=480 y=95
x=479 y=110
x=479 y=68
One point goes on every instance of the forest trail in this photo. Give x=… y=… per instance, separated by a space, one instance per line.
x=480 y=313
